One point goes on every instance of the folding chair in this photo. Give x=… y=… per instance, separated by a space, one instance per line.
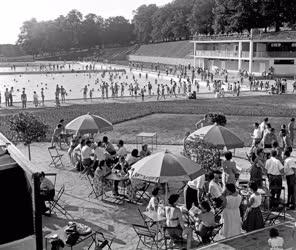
x=270 y=217
x=210 y=235
x=91 y=183
x=56 y=157
x=55 y=205
x=146 y=221
x=142 y=192
x=100 y=238
x=178 y=243
x=144 y=233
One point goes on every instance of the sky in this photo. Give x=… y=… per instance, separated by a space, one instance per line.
x=14 y=12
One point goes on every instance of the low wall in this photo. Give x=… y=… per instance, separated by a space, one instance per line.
x=163 y=60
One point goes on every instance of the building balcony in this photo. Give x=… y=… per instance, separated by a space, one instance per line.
x=220 y=53
x=279 y=54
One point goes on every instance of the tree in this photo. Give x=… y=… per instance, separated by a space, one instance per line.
x=27 y=128
x=204 y=154
x=202 y=17
x=218 y=118
x=142 y=21
x=118 y=30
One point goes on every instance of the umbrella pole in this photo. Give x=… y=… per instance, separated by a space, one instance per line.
x=166 y=193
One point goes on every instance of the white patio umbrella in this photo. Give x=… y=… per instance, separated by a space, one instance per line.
x=89 y=124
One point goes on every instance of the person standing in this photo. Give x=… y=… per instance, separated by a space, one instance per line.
x=230 y=171
x=275 y=170
x=42 y=96
x=291 y=129
x=6 y=95
x=231 y=214
x=290 y=170
x=253 y=218
x=193 y=191
x=11 y=97
x=24 y=100
x=215 y=188
x=35 y=99
x=263 y=125
x=256 y=172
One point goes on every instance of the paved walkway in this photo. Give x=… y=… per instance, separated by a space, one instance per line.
x=112 y=219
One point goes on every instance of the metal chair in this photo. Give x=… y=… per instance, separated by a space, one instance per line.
x=56 y=157
x=91 y=183
x=55 y=204
x=144 y=233
x=142 y=192
x=100 y=238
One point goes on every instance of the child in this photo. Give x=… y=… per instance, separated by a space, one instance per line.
x=153 y=203
x=275 y=241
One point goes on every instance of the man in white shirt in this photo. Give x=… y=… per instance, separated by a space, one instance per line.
x=262 y=126
x=275 y=170
x=257 y=136
x=290 y=171
x=193 y=191
x=121 y=149
x=215 y=188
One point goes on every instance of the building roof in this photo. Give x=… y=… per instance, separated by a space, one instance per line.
x=287 y=35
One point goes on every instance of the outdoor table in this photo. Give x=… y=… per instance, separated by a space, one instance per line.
x=143 y=135
x=63 y=236
x=115 y=177
x=155 y=217
x=64 y=138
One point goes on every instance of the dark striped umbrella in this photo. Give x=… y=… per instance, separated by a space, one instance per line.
x=165 y=167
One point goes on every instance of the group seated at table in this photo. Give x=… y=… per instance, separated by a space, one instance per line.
x=99 y=159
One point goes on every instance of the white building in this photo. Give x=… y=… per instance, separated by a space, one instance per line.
x=255 y=52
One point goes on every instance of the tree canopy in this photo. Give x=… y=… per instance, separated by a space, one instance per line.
x=176 y=20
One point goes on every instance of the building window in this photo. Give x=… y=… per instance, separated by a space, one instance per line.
x=275 y=45
x=289 y=62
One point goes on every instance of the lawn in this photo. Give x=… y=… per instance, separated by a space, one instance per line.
x=171 y=128
x=248 y=109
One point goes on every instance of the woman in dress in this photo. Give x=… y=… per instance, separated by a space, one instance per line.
x=253 y=218
x=230 y=171
x=231 y=218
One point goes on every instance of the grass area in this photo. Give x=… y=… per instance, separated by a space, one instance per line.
x=249 y=109
x=171 y=128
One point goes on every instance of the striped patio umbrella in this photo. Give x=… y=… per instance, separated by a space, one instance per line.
x=89 y=124
x=165 y=167
x=218 y=136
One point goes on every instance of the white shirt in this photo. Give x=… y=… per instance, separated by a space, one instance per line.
x=197 y=183
x=262 y=127
x=86 y=152
x=215 y=189
x=122 y=151
x=273 y=166
x=257 y=134
x=257 y=200
x=289 y=165
x=276 y=243
x=100 y=153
